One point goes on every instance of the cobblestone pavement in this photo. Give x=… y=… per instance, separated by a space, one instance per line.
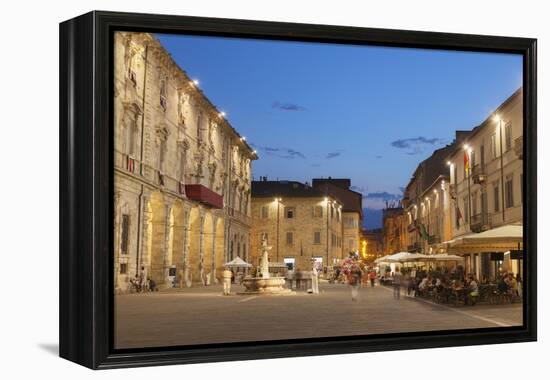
x=202 y=315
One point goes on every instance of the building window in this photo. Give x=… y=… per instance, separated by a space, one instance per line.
x=496 y=197
x=455 y=174
x=289 y=238
x=131 y=136
x=509 y=193
x=123 y=268
x=474 y=204
x=199 y=128
x=318 y=211
x=125 y=234
x=163 y=93
x=183 y=160
x=317 y=237
x=508 y=136
x=290 y=212
x=290 y=262
x=162 y=154
x=264 y=212
x=494 y=145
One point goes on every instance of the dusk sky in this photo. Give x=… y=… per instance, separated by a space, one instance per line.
x=366 y=113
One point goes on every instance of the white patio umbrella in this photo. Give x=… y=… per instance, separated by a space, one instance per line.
x=413 y=257
x=237 y=263
x=444 y=257
x=397 y=257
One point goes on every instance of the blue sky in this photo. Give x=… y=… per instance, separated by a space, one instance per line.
x=366 y=113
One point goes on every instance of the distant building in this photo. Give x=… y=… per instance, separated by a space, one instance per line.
x=304 y=223
x=394 y=233
x=422 y=205
x=352 y=209
x=372 y=244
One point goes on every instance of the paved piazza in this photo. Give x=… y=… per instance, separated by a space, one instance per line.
x=202 y=315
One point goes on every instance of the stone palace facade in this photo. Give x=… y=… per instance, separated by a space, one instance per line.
x=182 y=175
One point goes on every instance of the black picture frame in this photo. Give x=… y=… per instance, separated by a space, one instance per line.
x=86 y=188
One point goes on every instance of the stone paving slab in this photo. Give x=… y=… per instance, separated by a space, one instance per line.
x=202 y=315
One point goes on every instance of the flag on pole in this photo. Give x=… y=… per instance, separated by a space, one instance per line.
x=466 y=161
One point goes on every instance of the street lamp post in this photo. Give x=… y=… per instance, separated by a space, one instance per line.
x=328 y=203
x=501 y=166
x=278 y=200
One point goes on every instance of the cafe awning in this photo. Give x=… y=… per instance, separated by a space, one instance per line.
x=500 y=239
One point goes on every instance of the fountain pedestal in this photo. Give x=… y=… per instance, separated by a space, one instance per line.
x=262 y=285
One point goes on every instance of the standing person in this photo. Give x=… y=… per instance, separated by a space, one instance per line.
x=180 y=278
x=143 y=279
x=519 y=285
x=372 y=277
x=314 y=280
x=227 y=275
x=397 y=279
x=354 y=280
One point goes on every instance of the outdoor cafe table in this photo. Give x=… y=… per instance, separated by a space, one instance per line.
x=458 y=294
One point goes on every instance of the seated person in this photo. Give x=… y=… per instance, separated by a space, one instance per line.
x=423 y=286
x=512 y=285
x=473 y=291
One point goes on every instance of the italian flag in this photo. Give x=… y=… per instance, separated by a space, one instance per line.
x=466 y=161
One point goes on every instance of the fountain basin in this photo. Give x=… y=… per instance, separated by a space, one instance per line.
x=265 y=286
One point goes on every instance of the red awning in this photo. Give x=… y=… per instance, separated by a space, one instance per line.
x=204 y=195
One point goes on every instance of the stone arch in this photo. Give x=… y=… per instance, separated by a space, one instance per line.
x=156 y=230
x=176 y=240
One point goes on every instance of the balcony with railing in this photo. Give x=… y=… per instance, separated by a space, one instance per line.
x=480 y=222
x=479 y=176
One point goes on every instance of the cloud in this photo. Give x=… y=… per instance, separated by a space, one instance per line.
x=332 y=155
x=378 y=156
x=416 y=145
x=383 y=195
x=287 y=106
x=287 y=153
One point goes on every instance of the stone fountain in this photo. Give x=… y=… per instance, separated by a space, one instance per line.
x=263 y=283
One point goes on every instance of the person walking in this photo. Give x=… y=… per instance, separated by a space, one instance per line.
x=354 y=280
x=372 y=277
x=227 y=275
x=397 y=279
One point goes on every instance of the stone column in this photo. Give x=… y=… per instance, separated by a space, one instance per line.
x=214 y=279
x=202 y=213
x=166 y=268
x=185 y=248
x=145 y=218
